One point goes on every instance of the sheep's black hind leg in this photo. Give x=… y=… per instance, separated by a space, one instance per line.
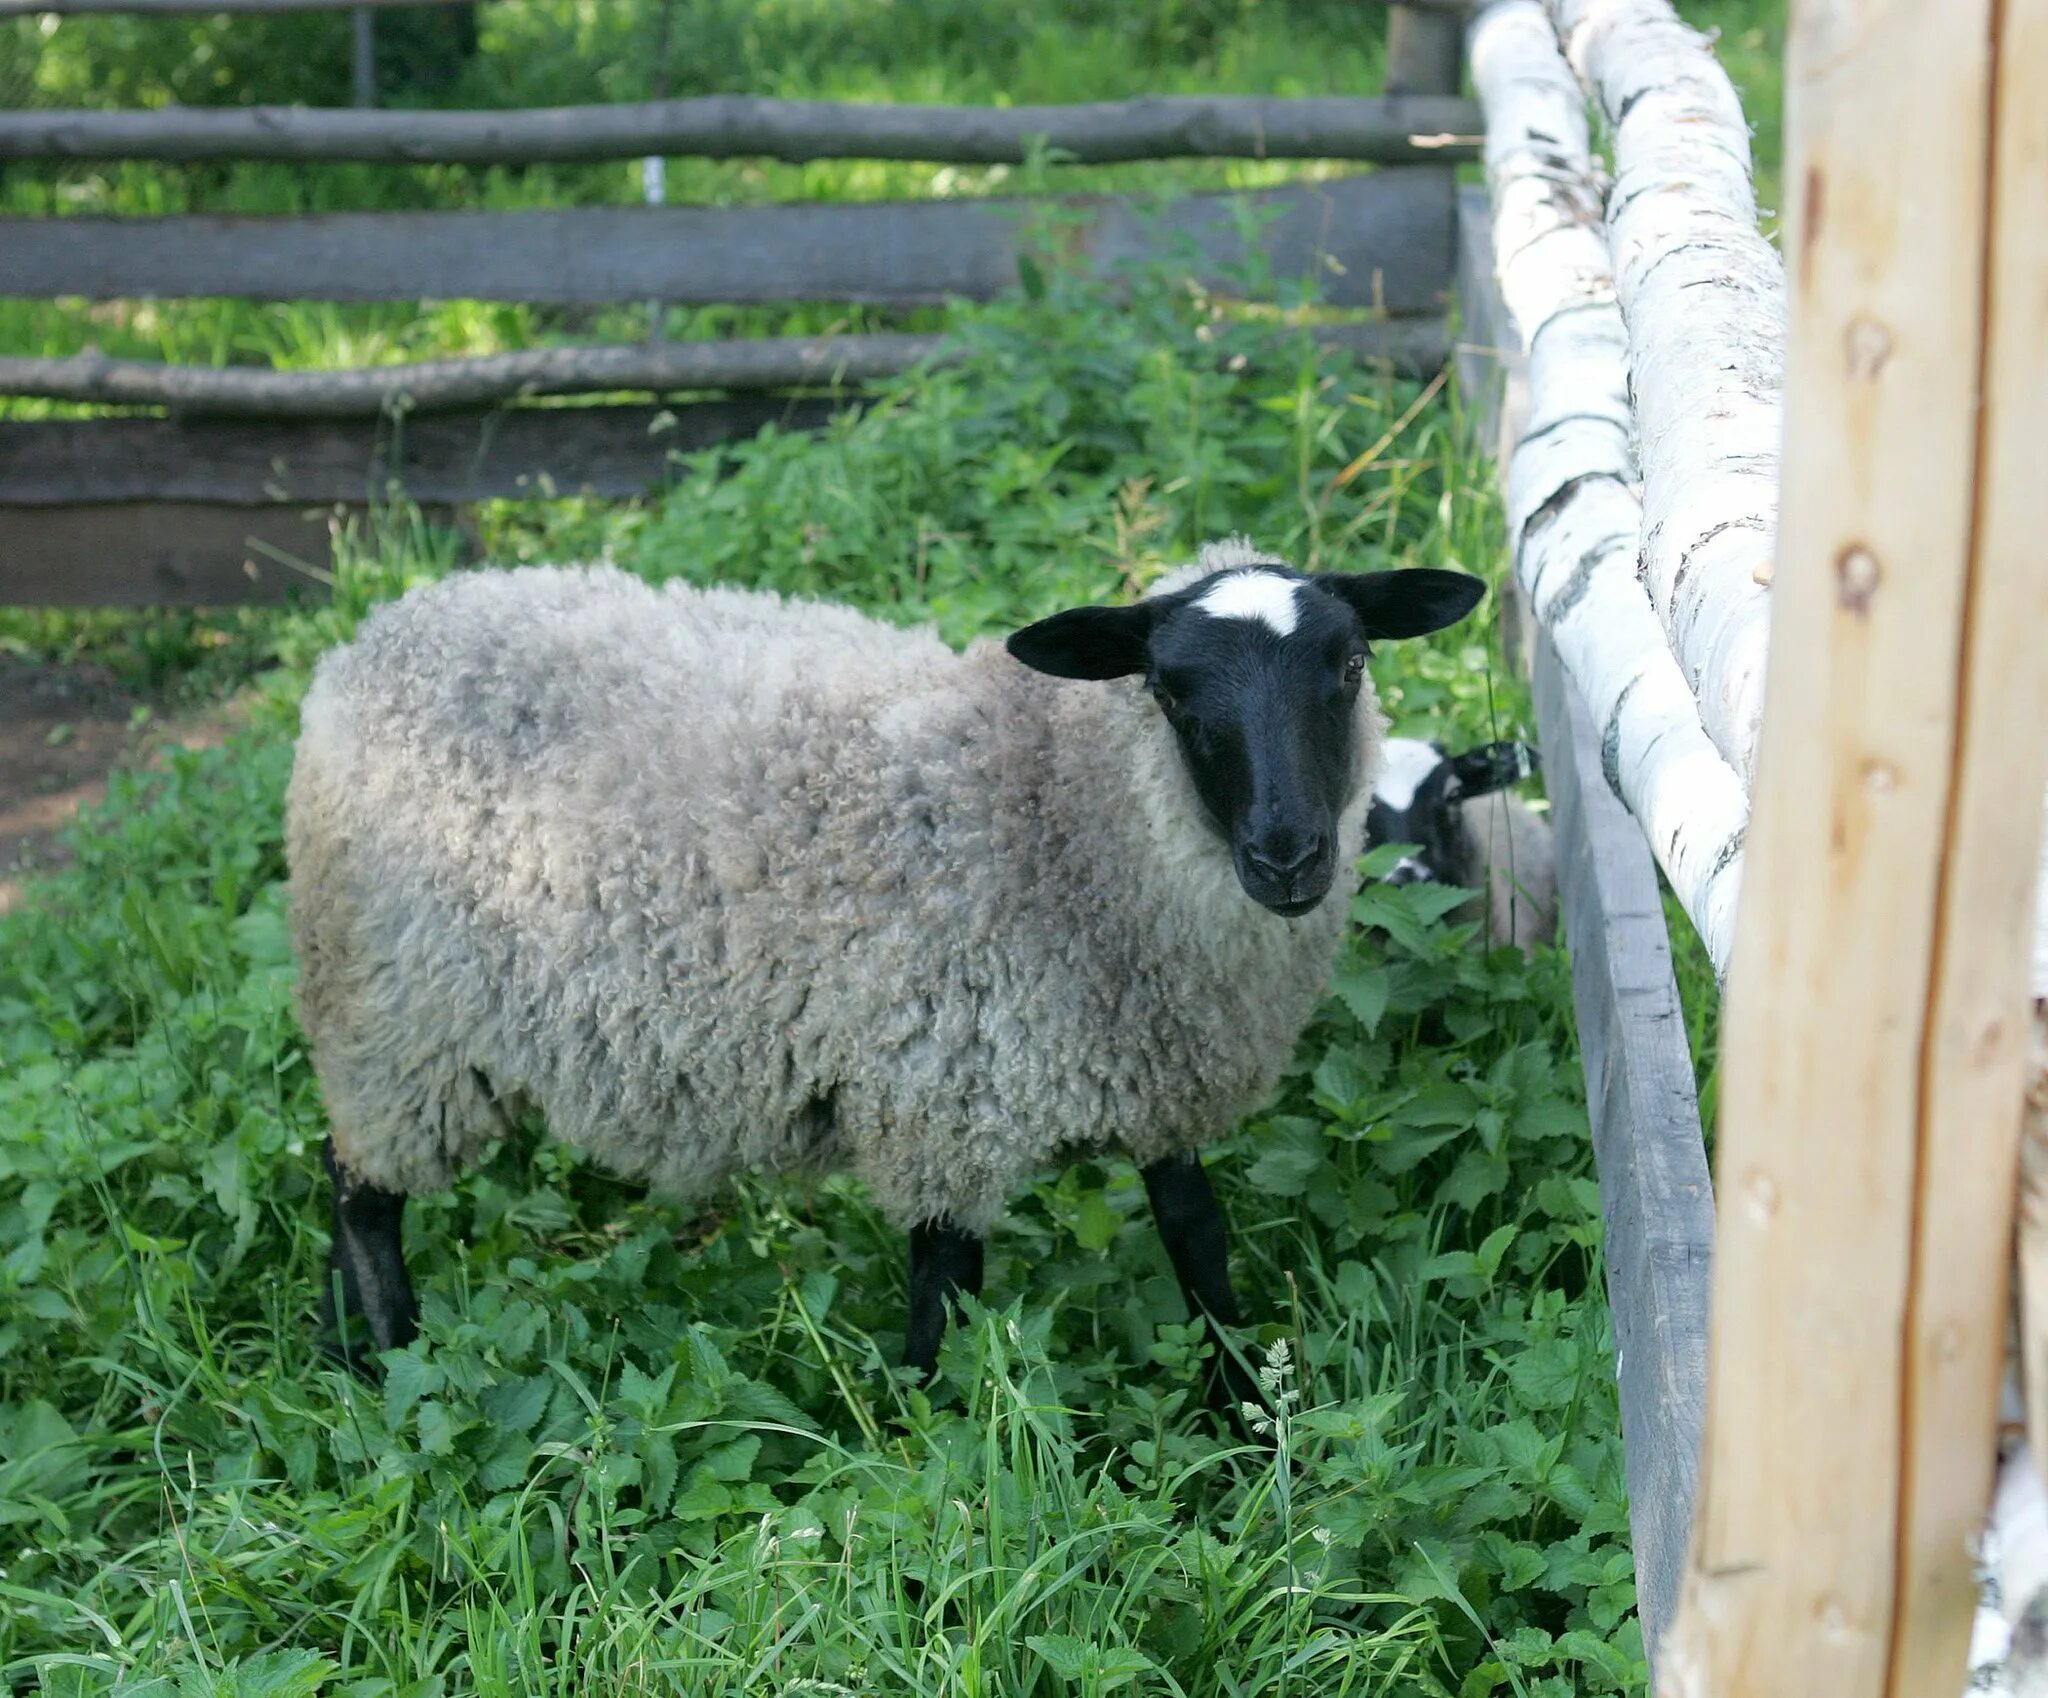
x=1191 y=1225
x=944 y=1262
x=376 y=1295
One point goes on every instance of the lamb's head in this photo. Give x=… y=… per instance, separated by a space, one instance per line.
x=1261 y=672
x=1419 y=796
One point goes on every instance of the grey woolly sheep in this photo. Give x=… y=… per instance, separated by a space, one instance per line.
x=718 y=880
x=1469 y=831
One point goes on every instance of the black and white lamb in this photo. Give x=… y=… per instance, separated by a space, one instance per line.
x=717 y=880
x=1467 y=830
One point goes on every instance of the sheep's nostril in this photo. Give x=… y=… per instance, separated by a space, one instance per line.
x=1280 y=864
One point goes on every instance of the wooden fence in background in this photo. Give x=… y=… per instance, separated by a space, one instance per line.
x=221 y=483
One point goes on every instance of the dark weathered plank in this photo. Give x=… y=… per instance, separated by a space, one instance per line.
x=1382 y=239
x=1415 y=346
x=513 y=453
x=1493 y=381
x=161 y=554
x=1654 y=1185
x=733 y=126
x=1425 y=50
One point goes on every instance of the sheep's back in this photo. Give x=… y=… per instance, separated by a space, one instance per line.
x=555 y=836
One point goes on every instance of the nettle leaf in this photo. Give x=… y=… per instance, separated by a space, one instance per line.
x=1383 y=860
x=1101 y=1668
x=816 y=1293
x=1596 y=1654
x=517 y=1405
x=1546 y=1375
x=1065 y=1655
x=1096 y=1224
x=1363 y=987
x=1526 y=1450
x=1342 y=1078
x=1385 y=906
x=646 y=1395
x=1289 y=1156
x=734 y=1462
x=659 y=1472
x=1494 y=1247
x=408 y=1377
x=1550 y=1117
x=437 y=1429
x=1517 y=1565
x=1479 y=1174
x=1429 y=903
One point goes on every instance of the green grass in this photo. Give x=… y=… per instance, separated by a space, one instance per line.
x=654 y=1447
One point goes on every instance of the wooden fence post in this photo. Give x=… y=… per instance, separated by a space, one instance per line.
x=1873 y=1028
x=363 y=55
x=1426 y=55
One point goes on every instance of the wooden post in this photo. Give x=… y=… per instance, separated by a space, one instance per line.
x=1426 y=55
x=363 y=44
x=1872 y=1032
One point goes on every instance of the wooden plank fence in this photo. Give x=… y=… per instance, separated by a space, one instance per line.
x=79 y=497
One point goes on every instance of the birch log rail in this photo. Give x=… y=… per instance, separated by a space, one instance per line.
x=1573 y=518
x=1876 y=1030
x=1703 y=295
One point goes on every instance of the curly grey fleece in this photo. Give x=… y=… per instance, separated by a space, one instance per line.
x=1513 y=861
x=719 y=880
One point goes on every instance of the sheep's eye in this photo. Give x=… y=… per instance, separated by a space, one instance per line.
x=1163 y=696
x=1354 y=669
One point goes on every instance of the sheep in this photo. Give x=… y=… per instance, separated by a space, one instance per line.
x=717 y=880
x=1468 y=831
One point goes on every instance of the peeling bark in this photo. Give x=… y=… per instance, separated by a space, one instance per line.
x=1574 y=519
x=1703 y=295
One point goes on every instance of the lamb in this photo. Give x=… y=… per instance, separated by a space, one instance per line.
x=1468 y=831
x=717 y=880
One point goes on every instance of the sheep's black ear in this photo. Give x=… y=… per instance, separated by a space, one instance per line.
x=1405 y=604
x=1087 y=642
x=1491 y=767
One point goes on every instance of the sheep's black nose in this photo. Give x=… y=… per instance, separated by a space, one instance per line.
x=1278 y=863
x=1409 y=870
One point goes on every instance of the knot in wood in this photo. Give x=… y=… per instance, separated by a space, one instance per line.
x=1857 y=575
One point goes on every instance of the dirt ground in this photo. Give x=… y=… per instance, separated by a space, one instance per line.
x=63 y=729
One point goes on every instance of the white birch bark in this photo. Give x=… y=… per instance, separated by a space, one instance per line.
x=1703 y=294
x=1574 y=519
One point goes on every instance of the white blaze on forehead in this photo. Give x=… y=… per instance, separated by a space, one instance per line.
x=1408 y=761
x=1264 y=596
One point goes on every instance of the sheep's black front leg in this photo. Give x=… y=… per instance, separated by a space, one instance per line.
x=1191 y=1226
x=376 y=1294
x=944 y=1262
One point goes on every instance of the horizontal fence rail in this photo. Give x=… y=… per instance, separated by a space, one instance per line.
x=1380 y=240
x=1413 y=346
x=766 y=362
x=734 y=126
x=519 y=453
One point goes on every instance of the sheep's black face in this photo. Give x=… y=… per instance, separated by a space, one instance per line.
x=1258 y=669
